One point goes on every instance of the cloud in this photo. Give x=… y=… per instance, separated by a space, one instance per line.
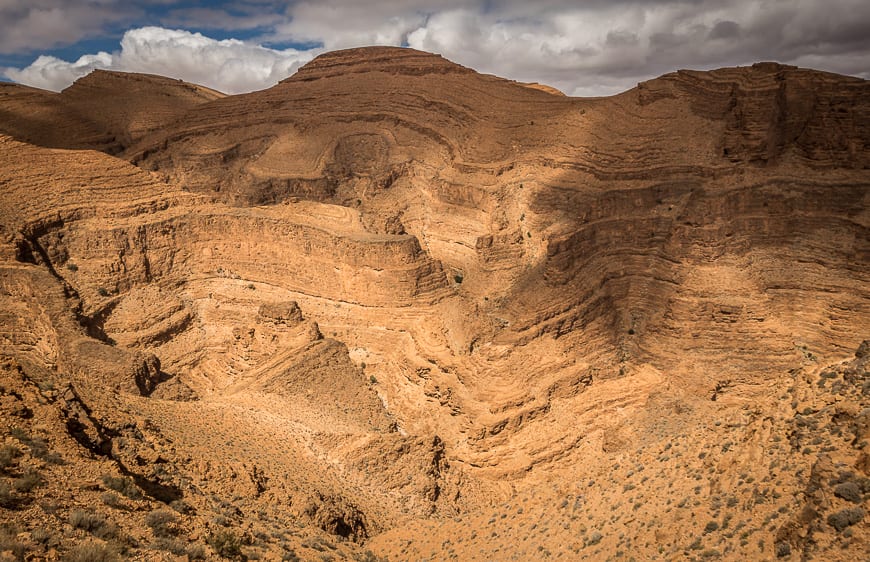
x=589 y=49
x=593 y=47
x=229 y=65
x=42 y=24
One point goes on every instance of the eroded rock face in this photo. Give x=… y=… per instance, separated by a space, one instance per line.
x=395 y=301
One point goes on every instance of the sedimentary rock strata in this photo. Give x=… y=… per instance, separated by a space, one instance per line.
x=438 y=313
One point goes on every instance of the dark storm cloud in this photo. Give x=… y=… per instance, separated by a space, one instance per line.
x=582 y=47
x=725 y=30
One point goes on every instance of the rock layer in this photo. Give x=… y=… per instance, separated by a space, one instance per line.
x=392 y=300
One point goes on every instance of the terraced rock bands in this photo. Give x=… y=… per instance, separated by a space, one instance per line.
x=392 y=307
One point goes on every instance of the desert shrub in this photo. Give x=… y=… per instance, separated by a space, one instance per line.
x=162 y=522
x=168 y=544
x=10 y=543
x=103 y=292
x=8 y=454
x=44 y=536
x=196 y=552
x=226 y=544
x=845 y=518
x=93 y=552
x=782 y=549
x=710 y=527
x=123 y=485
x=94 y=523
x=27 y=482
x=19 y=434
x=38 y=446
x=182 y=507
x=72 y=267
x=7 y=498
x=112 y=499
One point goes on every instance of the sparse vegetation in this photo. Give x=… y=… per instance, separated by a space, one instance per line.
x=162 y=522
x=10 y=543
x=123 y=485
x=112 y=499
x=226 y=544
x=170 y=544
x=94 y=523
x=27 y=482
x=196 y=552
x=7 y=498
x=38 y=446
x=8 y=457
x=44 y=536
x=93 y=552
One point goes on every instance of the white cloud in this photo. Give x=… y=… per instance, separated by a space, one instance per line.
x=51 y=73
x=229 y=65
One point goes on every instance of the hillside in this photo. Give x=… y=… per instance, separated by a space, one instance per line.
x=394 y=308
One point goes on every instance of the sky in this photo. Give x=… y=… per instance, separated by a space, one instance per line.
x=582 y=47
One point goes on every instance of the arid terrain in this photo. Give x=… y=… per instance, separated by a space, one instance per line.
x=393 y=309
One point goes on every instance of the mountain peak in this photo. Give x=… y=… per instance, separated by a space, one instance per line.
x=393 y=60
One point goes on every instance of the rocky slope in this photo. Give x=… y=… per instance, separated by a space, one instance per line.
x=394 y=308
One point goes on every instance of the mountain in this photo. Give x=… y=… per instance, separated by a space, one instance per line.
x=392 y=307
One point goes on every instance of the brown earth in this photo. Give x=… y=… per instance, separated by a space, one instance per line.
x=393 y=308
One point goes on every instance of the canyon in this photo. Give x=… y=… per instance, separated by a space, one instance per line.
x=392 y=308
